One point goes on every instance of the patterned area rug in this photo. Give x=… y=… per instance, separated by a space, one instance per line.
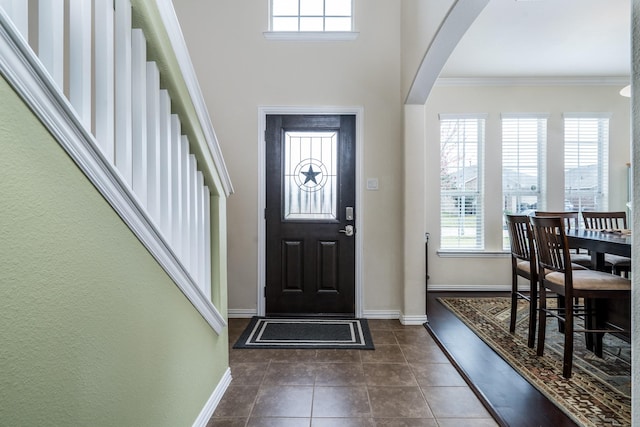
x=306 y=333
x=599 y=391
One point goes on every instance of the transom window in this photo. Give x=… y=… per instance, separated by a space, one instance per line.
x=311 y=15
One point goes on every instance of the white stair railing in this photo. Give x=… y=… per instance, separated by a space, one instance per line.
x=114 y=94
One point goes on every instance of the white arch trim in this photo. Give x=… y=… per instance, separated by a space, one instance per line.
x=455 y=24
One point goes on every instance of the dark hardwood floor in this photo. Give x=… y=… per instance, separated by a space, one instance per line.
x=510 y=398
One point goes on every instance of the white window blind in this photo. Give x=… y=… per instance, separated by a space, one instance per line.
x=586 y=146
x=311 y=15
x=524 y=140
x=461 y=182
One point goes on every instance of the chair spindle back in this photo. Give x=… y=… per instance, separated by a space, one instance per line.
x=571 y=219
x=605 y=220
x=551 y=243
x=520 y=237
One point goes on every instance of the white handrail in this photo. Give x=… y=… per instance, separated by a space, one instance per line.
x=133 y=135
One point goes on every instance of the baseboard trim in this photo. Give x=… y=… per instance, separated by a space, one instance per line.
x=411 y=320
x=241 y=313
x=246 y=313
x=381 y=314
x=470 y=288
x=405 y=319
x=213 y=401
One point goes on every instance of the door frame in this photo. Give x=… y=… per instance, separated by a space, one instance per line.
x=263 y=112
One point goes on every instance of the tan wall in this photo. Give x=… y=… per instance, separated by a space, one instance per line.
x=239 y=71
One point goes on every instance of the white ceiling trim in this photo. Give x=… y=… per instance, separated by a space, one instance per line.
x=532 y=81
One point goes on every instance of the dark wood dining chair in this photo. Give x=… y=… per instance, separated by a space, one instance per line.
x=571 y=221
x=616 y=220
x=523 y=264
x=556 y=275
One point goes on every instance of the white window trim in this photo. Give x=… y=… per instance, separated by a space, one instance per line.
x=605 y=165
x=26 y=74
x=542 y=202
x=525 y=116
x=587 y=115
x=454 y=116
x=311 y=36
x=468 y=252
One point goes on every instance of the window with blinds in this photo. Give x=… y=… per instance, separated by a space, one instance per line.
x=461 y=182
x=586 y=147
x=524 y=139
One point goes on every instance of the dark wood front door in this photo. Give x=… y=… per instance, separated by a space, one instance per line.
x=310 y=214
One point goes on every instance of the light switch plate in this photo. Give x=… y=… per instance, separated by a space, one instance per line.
x=372 y=183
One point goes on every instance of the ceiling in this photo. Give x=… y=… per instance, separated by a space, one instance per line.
x=546 y=38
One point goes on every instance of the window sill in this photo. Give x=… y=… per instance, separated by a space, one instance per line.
x=447 y=253
x=311 y=36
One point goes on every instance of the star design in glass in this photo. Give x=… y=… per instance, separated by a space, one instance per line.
x=310 y=175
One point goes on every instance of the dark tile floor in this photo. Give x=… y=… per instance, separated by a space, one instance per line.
x=405 y=381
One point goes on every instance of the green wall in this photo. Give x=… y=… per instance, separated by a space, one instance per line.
x=92 y=331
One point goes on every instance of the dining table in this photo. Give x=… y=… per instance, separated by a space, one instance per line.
x=600 y=242
x=616 y=312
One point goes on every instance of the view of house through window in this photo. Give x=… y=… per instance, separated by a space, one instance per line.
x=311 y=15
x=586 y=147
x=524 y=138
x=461 y=182
x=524 y=174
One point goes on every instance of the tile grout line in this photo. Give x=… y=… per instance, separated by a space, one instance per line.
x=424 y=397
x=315 y=362
x=313 y=389
x=255 y=400
x=366 y=385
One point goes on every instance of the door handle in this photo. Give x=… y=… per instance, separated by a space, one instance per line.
x=348 y=230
